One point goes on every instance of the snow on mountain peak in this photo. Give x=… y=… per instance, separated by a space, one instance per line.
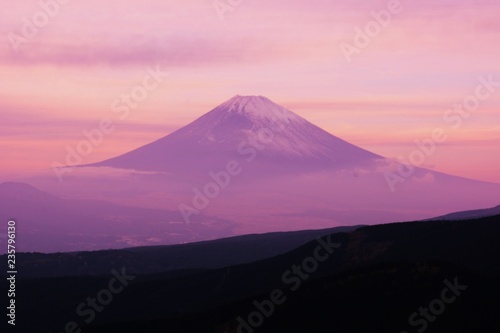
x=256 y=108
x=242 y=118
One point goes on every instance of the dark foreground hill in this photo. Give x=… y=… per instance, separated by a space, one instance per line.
x=157 y=259
x=436 y=276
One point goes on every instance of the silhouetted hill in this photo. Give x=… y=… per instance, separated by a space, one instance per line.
x=373 y=282
x=156 y=259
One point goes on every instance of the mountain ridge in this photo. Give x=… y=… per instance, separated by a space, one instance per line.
x=470 y=214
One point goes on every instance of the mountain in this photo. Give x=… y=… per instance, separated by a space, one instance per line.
x=47 y=223
x=244 y=126
x=286 y=174
x=470 y=214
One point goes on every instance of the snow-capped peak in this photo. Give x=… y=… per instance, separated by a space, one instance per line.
x=256 y=108
x=252 y=122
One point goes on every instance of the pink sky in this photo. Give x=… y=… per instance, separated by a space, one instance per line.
x=394 y=91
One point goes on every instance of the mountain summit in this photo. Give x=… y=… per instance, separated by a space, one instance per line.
x=257 y=108
x=244 y=127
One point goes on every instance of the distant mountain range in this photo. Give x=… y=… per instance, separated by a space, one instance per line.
x=470 y=214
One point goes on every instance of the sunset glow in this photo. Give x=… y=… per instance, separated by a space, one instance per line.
x=430 y=56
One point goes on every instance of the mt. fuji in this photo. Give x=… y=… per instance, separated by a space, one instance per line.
x=287 y=170
x=244 y=126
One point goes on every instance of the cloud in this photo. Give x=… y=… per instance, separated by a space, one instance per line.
x=380 y=166
x=109 y=172
x=174 y=52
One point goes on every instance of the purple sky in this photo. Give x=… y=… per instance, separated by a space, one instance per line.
x=64 y=77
